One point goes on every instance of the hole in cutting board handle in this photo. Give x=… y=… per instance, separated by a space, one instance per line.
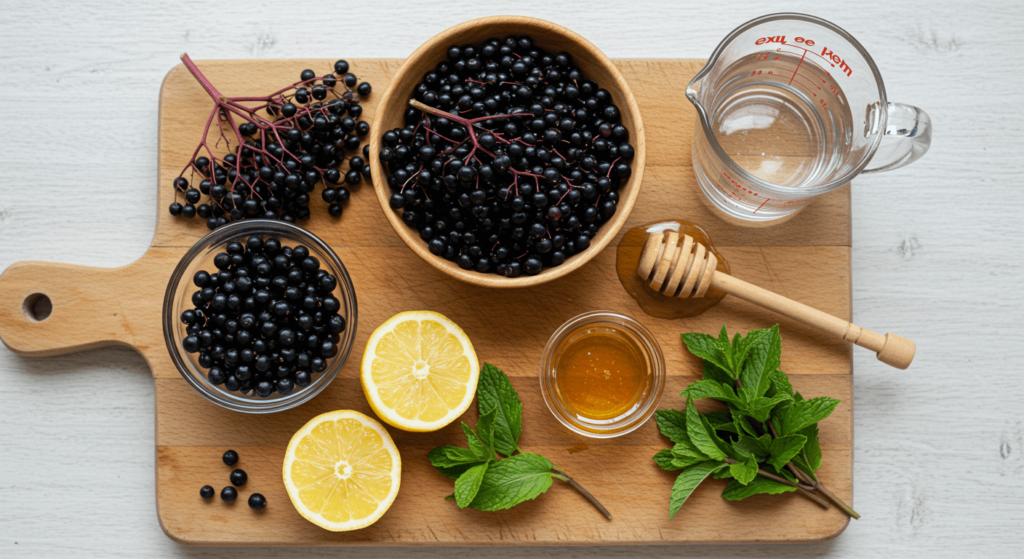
x=37 y=307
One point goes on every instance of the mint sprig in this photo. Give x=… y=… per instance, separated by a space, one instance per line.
x=485 y=481
x=766 y=441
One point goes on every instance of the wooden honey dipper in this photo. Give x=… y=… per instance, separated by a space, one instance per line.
x=685 y=268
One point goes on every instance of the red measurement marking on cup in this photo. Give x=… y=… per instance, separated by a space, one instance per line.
x=791 y=81
x=801 y=75
x=762 y=204
x=805 y=68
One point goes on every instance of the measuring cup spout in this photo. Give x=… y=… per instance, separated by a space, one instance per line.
x=692 y=89
x=693 y=92
x=907 y=136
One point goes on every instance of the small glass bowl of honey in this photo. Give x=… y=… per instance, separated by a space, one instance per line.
x=602 y=374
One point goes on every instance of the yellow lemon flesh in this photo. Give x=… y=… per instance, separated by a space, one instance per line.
x=419 y=371
x=342 y=470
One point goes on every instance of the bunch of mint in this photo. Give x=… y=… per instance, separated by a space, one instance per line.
x=483 y=480
x=767 y=439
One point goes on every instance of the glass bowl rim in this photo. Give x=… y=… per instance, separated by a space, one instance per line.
x=219 y=237
x=649 y=344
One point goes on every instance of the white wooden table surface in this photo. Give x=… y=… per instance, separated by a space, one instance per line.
x=939 y=449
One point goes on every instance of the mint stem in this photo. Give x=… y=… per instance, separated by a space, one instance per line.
x=816 y=483
x=805 y=491
x=593 y=500
x=813 y=482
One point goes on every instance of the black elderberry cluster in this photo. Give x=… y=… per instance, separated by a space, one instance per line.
x=266 y=320
x=311 y=130
x=517 y=166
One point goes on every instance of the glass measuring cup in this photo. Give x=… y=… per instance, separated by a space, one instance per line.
x=791 y=106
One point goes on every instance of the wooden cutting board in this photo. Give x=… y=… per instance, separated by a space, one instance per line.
x=806 y=258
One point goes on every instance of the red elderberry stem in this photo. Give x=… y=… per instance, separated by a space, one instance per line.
x=470 y=123
x=612 y=166
x=194 y=70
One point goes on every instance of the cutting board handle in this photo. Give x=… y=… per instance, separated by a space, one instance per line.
x=51 y=309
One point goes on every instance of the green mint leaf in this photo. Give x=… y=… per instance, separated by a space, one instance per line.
x=664 y=460
x=450 y=497
x=802 y=415
x=744 y=471
x=716 y=373
x=722 y=474
x=741 y=348
x=762 y=407
x=672 y=424
x=687 y=481
x=700 y=435
x=710 y=389
x=752 y=445
x=707 y=348
x=449 y=456
x=685 y=454
x=494 y=392
x=799 y=462
x=736 y=491
x=721 y=421
x=764 y=353
x=719 y=441
x=783 y=449
x=780 y=383
x=485 y=429
x=725 y=347
x=454 y=472
x=812 y=450
x=479 y=449
x=742 y=425
x=511 y=481
x=468 y=484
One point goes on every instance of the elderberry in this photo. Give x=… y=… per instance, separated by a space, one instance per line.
x=257 y=501
x=510 y=159
x=277 y=160
x=264 y=321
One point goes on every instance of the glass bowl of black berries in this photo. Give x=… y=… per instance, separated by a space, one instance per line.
x=259 y=316
x=507 y=151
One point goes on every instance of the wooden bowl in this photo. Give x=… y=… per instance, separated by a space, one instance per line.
x=552 y=38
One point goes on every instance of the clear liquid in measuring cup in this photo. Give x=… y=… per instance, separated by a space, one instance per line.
x=789 y=107
x=782 y=118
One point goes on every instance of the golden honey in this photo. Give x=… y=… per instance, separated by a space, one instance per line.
x=601 y=373
x=627 y=256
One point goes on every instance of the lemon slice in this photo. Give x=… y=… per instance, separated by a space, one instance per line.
x=342 y=470
x=419 y=371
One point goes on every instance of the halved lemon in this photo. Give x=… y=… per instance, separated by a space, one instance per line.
x=342 y=470
x=419 y=371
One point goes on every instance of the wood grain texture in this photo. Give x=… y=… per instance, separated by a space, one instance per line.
x=508 y=327
x=938 y=448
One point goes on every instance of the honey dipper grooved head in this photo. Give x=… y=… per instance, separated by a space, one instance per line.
x=676 y=267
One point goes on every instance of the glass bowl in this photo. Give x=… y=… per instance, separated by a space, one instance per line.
x=178 y=298
x=647 y=401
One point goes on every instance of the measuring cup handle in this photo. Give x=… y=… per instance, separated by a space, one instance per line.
x=908 y=133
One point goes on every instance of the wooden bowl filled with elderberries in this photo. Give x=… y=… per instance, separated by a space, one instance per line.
x=507 y=151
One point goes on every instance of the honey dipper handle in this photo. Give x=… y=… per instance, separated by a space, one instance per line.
x=891 y=349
